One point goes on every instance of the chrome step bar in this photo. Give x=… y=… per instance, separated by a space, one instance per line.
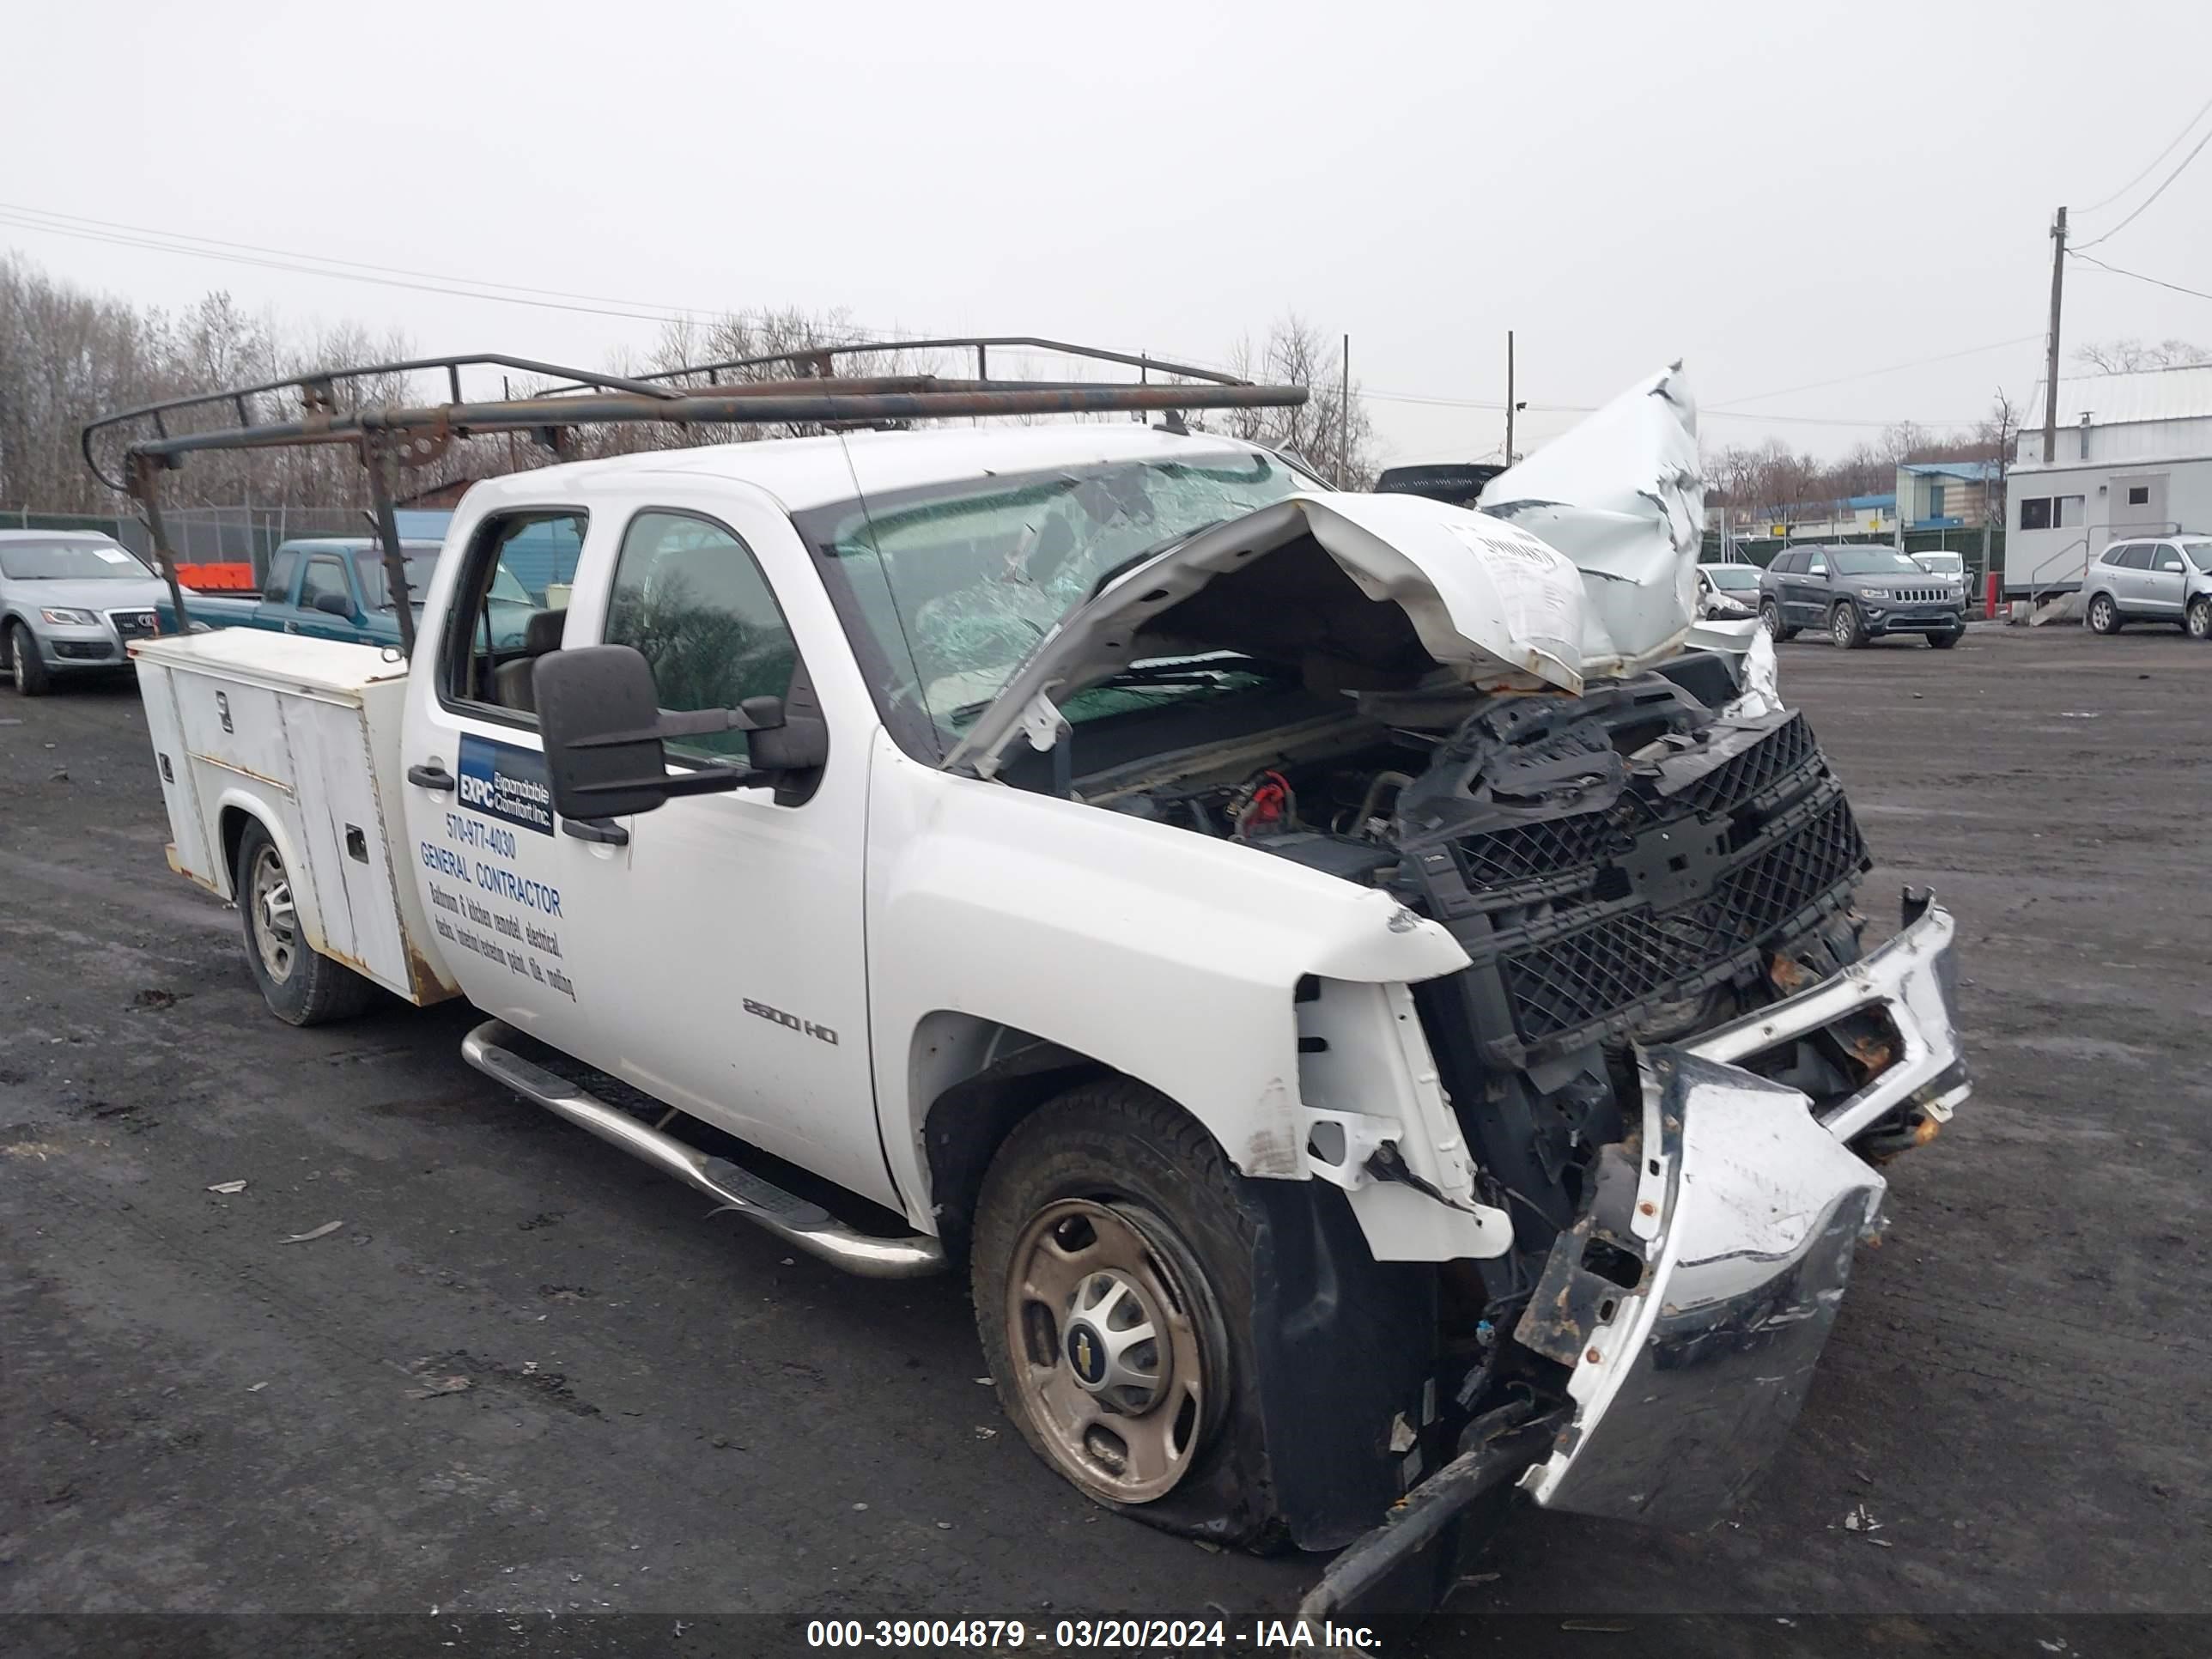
x=798 y=1222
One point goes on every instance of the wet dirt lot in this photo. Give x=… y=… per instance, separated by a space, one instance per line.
x=669 y=1415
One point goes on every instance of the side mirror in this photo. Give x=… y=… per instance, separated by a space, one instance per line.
x=334 y=604
x=604 y=729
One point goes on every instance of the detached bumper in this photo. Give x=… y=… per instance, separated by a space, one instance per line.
x=1693 y=1296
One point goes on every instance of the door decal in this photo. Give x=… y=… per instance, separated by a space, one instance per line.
x=505 y=782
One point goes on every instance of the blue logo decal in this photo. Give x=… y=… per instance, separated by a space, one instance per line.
x=507 y=783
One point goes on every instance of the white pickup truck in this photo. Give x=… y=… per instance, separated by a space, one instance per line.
x=1375 y=1007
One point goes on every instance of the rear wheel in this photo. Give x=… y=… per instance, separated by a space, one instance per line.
x=28 y=667
x=2200 y=619
x=2104 y=615
x=1111 y=1266
x=1844 y=627
x=302 y=985
x=1770 y=614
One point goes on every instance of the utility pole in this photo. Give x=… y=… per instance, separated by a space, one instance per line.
x=1509 y=396
x=1343 y=421
x=2050 y=359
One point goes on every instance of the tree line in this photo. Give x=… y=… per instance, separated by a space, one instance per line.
x=68 y=355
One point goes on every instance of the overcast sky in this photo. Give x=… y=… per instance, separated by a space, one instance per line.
x=1781 y=195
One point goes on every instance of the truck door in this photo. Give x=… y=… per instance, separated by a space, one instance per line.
x=710 y=952
x=326 y=581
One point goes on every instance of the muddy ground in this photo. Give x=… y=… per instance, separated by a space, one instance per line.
x=669 y=1415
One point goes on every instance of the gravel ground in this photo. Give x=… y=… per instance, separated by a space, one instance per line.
x=668 y=1414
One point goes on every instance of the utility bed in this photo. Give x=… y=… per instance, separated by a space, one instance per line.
x=303 y=735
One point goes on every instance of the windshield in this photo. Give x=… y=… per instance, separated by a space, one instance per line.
x=957 y=583
x=368 y=564
x=1944 y=564
x=69 y=561
x=2200 y=555
x=1870 y=561
x=1734 y=577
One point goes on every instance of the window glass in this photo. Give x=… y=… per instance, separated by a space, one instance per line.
x=2138 y=556
x=2116 y=554
x=688 y=596
x=324 y=575
x=2200 y=554
x=418 y=559
x=277 y=590
x=1816 y=564
x=2035 y=513
x=1876 y=562
x=2066 y=512
x=486 y=659
x=2164 y=558
x=69 y=561
x=2138 y=495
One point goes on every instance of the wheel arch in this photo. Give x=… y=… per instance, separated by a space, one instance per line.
x=235 y=808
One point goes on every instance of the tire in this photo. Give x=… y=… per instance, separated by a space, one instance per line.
x=33 y=677
x=1150 y=1205
x=1945 y=642
x=1770 y=615
x=2199 y=625
x=1844 y=627
x=2105 y=616
x=300 y=986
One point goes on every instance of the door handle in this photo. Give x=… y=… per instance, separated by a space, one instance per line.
x=434 y=777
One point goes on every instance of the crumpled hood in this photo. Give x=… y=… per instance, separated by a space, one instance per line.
x=1621 y=495
x=97 y=594
x=1581 y=562
x=1488 y=601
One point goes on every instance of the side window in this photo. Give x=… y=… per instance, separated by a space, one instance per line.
x=2035 y=513
x=324 y=575
x=277 y=589
x=2138 y=555
x=508 y=609
x=688 y=596
x=2117 y=554
x=1816 y=564
x=1783 y=564
x=2164 y=558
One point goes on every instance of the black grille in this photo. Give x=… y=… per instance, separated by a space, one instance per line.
x=1584 y=977
x=132 y=624
x=1752 y=772
x=1530 y=852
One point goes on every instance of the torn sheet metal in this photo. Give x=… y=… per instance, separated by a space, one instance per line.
x=1490 y=602
x=1621 y=497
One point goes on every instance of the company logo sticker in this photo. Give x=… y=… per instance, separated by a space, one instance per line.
x=507 y=783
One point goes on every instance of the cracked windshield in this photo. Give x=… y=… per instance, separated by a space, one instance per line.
x=959 y=585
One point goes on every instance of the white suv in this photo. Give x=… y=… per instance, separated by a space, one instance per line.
x=2163 y=578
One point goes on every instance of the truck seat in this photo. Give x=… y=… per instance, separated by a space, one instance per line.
x=540 y=635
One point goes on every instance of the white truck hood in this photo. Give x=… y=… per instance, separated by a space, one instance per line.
x=1587 y=566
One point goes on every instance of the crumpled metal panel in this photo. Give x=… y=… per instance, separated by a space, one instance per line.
x=1621 y=495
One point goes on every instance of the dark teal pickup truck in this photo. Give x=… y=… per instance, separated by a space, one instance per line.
x=333 y=587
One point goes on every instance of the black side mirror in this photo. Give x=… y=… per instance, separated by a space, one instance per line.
x=604 y=729
x=334 y=604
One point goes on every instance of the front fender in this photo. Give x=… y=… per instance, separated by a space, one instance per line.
x=1169 y=957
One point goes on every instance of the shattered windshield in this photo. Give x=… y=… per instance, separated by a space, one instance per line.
x=959 y=582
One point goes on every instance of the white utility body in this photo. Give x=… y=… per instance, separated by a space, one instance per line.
x=1279 y=936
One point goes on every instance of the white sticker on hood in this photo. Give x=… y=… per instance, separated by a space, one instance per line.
x=1539 y=588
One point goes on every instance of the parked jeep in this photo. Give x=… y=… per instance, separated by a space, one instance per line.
x=1858 y=594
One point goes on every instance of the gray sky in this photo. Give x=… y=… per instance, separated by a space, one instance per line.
x=1779 y=194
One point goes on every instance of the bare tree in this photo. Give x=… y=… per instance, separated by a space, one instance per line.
x=1317 y=431
x=2127 y=356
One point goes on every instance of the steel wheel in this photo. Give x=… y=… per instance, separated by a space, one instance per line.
x=1109 y=1347
x=275 y=924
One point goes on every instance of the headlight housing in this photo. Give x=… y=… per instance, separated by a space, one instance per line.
x=62 y=616
x=1876 y=593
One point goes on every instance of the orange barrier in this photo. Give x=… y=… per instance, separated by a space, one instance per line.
x=217 y=578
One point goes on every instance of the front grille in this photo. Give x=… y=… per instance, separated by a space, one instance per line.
x=1580 y=928
x=1928 y=595
x=1586 y=977
x=132 y=624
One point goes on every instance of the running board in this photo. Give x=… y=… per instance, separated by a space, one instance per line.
x=805 y=1226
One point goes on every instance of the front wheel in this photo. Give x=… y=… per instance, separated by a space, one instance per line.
x=2104 y=615
x=1111 y=1266
x=28 y=667
x=1770 y=616
x=1945 y=642
x=302 y=985
x=2200 y=619
x=1845 y=628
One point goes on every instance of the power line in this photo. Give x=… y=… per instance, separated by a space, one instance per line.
x=2179 y=168
x=2155 y=282
x=1869 y=373
x=2153 y=161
